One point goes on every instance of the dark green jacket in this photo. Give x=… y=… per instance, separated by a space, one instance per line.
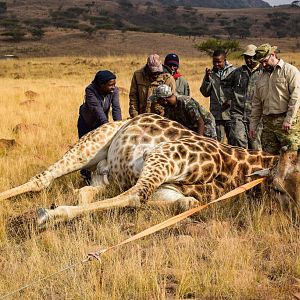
x=219 y=89
x=244 y=82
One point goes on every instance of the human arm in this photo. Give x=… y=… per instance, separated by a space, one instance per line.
x=115 y=103
x=256 y=114
x=92 y=100
x=200 y=126
x=206 y=85
x=133 y=98
x=293 y=78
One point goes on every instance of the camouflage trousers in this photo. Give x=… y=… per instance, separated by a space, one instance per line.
x=239 y=135
x=273 y=137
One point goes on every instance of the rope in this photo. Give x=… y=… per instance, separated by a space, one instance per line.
x=96 y=255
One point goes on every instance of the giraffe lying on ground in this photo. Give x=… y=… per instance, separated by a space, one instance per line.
x=151 y=158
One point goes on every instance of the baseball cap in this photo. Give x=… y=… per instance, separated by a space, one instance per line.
x=154 y=63
x=263 y=51
x=162 y=91
x=172 y=59
x=250 y=50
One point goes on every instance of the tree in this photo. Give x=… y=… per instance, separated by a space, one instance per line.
x=3 y=7
x=17 y=33
x=210 y=45
x=37 y=32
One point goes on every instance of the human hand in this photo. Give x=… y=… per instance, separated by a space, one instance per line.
x=252 y=134
x=286 y=126
x=226 y=105
x=207 y=73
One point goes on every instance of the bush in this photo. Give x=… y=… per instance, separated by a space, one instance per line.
x=3 y=7
x=17 y=34
x=37 y=32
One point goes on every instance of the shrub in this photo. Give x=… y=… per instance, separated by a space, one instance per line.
x=37 y=32
x=17 y=34
x=3 y=7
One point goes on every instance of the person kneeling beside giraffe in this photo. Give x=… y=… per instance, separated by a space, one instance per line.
x=185 y=110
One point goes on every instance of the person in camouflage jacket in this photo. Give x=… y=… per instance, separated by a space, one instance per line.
x=185 y=110
x=244 y=81
x=217 y=84
x=143 y=82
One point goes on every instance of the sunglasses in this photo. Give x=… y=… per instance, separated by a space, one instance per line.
x=266 y=60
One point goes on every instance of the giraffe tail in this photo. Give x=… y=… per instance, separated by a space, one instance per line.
x=30 y=186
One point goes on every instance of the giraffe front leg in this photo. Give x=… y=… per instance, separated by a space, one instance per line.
x=65 y=213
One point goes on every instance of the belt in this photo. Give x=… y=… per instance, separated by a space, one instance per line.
x=275 y=115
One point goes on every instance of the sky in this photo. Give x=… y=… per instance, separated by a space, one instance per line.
x=278 y=2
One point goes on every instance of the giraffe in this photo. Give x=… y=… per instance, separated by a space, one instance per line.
x=153 y=158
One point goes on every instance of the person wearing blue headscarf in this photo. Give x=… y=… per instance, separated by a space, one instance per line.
x=101 y=95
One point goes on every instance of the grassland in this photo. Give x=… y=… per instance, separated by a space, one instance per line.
x=245 y=248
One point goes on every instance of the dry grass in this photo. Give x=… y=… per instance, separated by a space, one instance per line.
x=242 y=249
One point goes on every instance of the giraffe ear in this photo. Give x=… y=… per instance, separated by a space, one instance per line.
x=261 y=173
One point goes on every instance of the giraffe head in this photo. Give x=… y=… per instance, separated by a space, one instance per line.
x=286 y=176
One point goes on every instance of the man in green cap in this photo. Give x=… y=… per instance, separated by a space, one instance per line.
x=276 y=101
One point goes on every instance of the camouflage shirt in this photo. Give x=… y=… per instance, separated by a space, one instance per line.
x=188 y=111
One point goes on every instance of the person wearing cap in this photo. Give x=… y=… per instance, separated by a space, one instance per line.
x=276 y=101
x=171 y=63
x=101 y=95
x=217 y=84
x=143 y=82
x=244 y=80
x=185 y=110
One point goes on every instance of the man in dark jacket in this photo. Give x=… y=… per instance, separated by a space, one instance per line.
x=244 y=82
x=100 y=95
x=217 y=84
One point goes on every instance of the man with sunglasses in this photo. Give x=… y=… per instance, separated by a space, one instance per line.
x=276 y=101
x=244 y=80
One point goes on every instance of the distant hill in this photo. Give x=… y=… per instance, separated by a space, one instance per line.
x=31 y=19
x=213 y=3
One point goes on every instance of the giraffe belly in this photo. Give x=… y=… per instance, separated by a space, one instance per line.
x=126 y=171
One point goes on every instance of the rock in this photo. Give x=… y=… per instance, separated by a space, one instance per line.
x=31 y=94
x=7 y=144
x=25 y=128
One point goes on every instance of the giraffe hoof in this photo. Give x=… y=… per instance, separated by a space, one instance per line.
x=42 y=217
x=187 y=203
